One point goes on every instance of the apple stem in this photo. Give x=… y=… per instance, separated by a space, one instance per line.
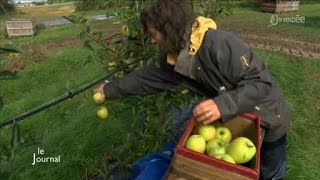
x=249 y=144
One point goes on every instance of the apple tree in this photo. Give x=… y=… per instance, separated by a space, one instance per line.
x=6 y=74
x=7 y=151
x=131 y=50
x=215 y=9
x=6 y=6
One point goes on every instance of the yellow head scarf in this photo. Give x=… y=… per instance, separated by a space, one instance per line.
x=199 y=28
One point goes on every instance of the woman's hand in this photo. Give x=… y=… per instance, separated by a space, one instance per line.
x=206 y=112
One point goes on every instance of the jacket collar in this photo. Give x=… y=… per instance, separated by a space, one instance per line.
x=184 y=62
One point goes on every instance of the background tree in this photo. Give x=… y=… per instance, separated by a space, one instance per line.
x=6 y=6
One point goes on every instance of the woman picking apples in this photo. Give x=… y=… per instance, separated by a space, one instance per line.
x=216 y=63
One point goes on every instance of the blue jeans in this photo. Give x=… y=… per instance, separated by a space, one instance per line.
x=273 y=154
x=273 y=160
x=181 y=116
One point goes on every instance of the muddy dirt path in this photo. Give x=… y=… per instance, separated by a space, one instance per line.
x=284 y=44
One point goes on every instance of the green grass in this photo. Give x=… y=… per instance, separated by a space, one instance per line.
x=252 y=19
x=56 y=37
x=70 y=129
x=47 y=12
x=60 y=70
x=302 y=91
x=47 y=35
x=92 y=13
x=58 y=33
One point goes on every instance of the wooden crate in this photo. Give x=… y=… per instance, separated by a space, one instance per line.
x=277 y=7
x=20 y=27
x=188 y=164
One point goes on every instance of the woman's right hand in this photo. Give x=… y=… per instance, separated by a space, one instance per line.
x=99 y=96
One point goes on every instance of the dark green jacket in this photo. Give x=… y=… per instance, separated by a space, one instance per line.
x=224 y=69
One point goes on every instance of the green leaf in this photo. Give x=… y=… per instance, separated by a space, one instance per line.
x=16 y=137
x=87 y=45
x=185 y=91
x=87 y=29
x=98 y=34
x=83 y=34
x=83 y=20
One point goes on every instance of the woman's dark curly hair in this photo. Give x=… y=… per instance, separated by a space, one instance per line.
x=173 y=18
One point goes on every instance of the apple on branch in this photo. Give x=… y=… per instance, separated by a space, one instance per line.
x=125 y=30
x=98 y=98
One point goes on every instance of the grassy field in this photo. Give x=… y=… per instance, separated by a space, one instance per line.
x=49 y=12
x=299 y=80
x=84 y=142
x=251 y=19
x=46 y=12
x=42 y=13
x=73 y=131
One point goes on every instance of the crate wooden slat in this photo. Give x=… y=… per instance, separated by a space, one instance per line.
x=20 y=27
x=185 y=167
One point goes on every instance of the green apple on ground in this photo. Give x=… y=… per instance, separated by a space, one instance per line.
x=207 y=131
x=214 y=144
x=217 y=151
x=98 y=98
x=224 y=134
x=196 y=143
x=102 y=113
x=241 y=150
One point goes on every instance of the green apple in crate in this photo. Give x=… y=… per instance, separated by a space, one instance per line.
x=214 y=144
x=241 y=150
x=226 y=157
x=207 y=131
x=196 y=143
x=223 y=134
x=217 y=151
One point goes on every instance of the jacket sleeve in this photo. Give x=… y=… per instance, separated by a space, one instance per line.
x=237 y=63
x=145 y=81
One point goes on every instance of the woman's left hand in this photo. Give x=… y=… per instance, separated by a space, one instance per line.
x=206 y=112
